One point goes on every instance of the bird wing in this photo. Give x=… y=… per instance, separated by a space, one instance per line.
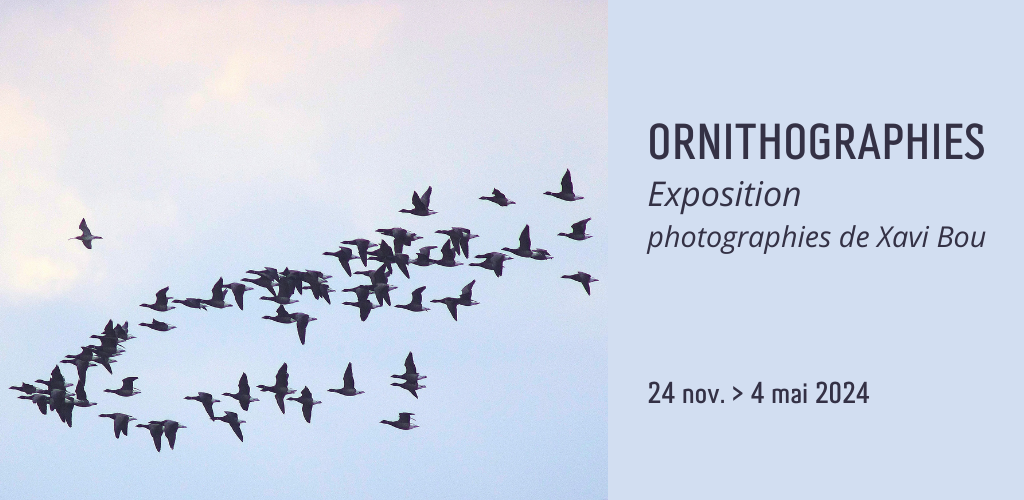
x=567 y=182
x=171 y=431
x=424 y=252
x=161 y=296
x=417 y=203
x=524 y=238
x=84 y=228
x=218 y=289
x=305 y=393
x=349 y=381
x=425 y=199
x=156 y=431
x=581 y=226
x=497 y=193
x=280 y=401
x=467 y=291
x=446 y=251
x=403 y=418
x=208 y=406
x=451 y=308
x=410 y=365
x=282 y=376
x=281 y=311
x=56 y=376
x=307 y=411
x=301 y=321
x=80 y=390
x=417 y=295
x=243 y=385
x=364 y=309
x=238 y=292
x=127 y=382
x=237 y=427
x=586 y=286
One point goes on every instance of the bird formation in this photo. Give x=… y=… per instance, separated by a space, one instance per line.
x=282 y=287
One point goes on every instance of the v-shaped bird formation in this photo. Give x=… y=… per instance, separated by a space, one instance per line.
x=282 y=289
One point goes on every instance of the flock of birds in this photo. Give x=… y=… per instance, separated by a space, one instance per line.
x=55 y=394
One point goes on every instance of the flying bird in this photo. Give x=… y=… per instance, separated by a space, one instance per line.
x=306 y=399
x=349 y=388
x=207 y=400
x=362 y=245
x=344 y=254
x=238 y=290
x=420 y=204
x=159 y=326
x=301 y=320
x=161 y=301
x=566 y=193
x=194 y=303
x=231 y=418
x=282 y=316
x=121 y=421
x=127 y=389
x=87 y=236
x=410 y=370
x=416 y=304
x=582 y=277
x=171 y=431
x=493 y=261
x=243 y=396
x=403 y=422
x=156 y=429
x=499 y=198
x=280 y=387
x=524 y=244
x=579 y=231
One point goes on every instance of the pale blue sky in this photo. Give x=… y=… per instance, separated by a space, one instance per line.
x=203 y=140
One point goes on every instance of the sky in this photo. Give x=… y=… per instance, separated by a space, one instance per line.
x=205 y=139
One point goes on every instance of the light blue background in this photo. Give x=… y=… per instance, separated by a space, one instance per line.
x=934 y=332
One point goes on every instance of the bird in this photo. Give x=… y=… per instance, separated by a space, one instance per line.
x=349 y=387
x=423 y=256
x=83 y=366
x=306 y=399
x=56 y=380
x=161 y=301
x=579 y=231
x=282 y=316
x=156 y=429
x=301 y=320
x=207 y=400
x=42 y=401
x=452 y=304
x=159 y=326
x=231 y=418
x=243 y=396
x=26 y=388
x=87 y=236
x=121 y=421
x=410 y=370
x=566 y=193
x=403 y=422
x=262 y=281
x=410 y=385
x=382 y=291
x=499 y=198
x=447 y=256
x=171 y=431
x=344 y=254
x=582 y=277
x=362 y=245
x=466 y=297
x=420 y=204
x=416 y=304
x=194 y=303
x=364 y=305
x=540 y=254
x=493 y=261
x=524 y=244
x=280 y=387
x=283 y=295
x=238 y=290
x=402 y=237
x=126 y=389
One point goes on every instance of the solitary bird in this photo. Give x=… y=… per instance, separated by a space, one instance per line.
x=349 y=389
x=87 y=236
x=410 y=370
x=420 y=204
x=243 y=396
x=493 y=261
x=194 y=303
x=231 y=418
x=159 y=326
x=582 y=277
x=156 y=429
x=362 y=245
x=524 y=244
x=207 y=400
x=403 y=422
x=301 y=320
x=238 y=290
x=306 y=400
x=499 y=198
x=344 y=254
x=121 y=421
x=416 y=304
x=579 y=231
x=171 y=431
x=566 y=192
x=161 y=301
x=126 y=389
x=280 y=387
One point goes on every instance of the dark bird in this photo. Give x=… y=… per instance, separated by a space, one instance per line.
x=161 y=301
x=452 y=304
x=194 y=303
x=402 y=237
x=493 y=261
x=403 y=422
x=382 y=291
x=243 y=396
x=87 y=236
x=231 y=418
x=466 y=297
x=171 y=431
x=56 y=380
x=80 y=392
x=159 y=326
x=156 y=429
x=420 y=204
x=459 y=236
x=283 y=296
x=499 y=198
x=121 y=424
x=579 y=231
x=524 y=244
x=26 y=388
x=362 y=245
x=344 y=254
x=423 y=256
x=447 y=256
x=582 y=277
x=238 y=290
x=349 y=388
x=410 y=385
x=364 y=305
x=410 y=370
x=282 y=316
x=306 y=399
x=126 y=389
x=42 y=401
x=263 y=281
x=207 y=400
x=566 y=192
x=301 y=320
x=416 y=304
x=540 y=254
x=280 y=387
x=82 y=366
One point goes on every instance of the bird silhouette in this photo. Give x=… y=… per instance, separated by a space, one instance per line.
x=306 y=400
x=582 y=277
x=403 y=422
x=420 y=204
x=349 y=387
x=280 y=387
x=566 y=193
x=579 y=230
x=242 y=396
x=161 y=301
x=87 y=236
x=499 y=198
x=207 y=400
